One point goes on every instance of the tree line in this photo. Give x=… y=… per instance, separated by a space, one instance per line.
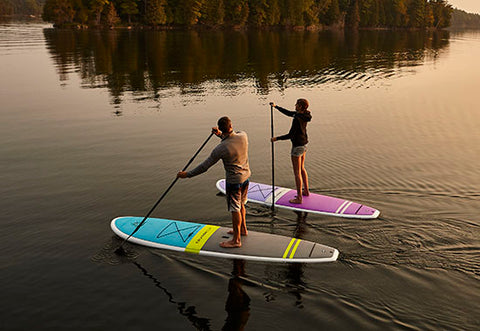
x=462 y=19
x=252 y=13
x=21 y=7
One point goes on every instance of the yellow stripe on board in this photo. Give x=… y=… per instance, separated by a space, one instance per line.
x=197 y=242
x=288 y=247
x=294 y=249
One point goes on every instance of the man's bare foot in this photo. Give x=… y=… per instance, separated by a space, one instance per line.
x=243 y=234
x=296 y=201
x=305 y=192
x=230 y=244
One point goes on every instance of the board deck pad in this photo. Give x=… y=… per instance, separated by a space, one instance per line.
x=314 y=203
x=204 y=239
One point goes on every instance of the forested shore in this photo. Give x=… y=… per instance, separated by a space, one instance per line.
x=296 y=14
x=299 y=14
x=21 y=7
x=463 y=20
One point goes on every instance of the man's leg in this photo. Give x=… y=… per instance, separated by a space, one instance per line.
x=243 y=226
x=236 y=224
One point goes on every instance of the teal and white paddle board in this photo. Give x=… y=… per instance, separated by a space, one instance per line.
x=204 y=239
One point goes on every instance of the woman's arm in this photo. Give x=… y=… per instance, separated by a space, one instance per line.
x=285 y=111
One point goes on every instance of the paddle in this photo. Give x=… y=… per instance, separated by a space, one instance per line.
x=120 y=250
x=273 y=158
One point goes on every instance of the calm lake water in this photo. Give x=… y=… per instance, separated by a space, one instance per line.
x=95 y=125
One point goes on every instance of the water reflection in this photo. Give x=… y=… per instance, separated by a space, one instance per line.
x=237 y=305
x=290 y=275
x=200 y=323
x=294 y=273
x=238 y=302
x=148 y=63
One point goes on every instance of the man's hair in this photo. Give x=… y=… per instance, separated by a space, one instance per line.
x=303 y=103
x=224 y=124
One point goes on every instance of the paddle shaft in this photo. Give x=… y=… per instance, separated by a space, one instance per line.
x=165 y=193
x=273 y=159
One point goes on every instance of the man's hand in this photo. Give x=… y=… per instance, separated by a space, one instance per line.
x=216 y=131
x=182 y=174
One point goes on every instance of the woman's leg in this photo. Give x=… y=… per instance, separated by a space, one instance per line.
x=296 y=163
x=306 y=191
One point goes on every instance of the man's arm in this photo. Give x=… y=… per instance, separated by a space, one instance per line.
x=205 y=165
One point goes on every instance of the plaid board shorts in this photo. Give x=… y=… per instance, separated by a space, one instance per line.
x=236 y=195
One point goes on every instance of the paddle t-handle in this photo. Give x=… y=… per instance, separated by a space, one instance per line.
x=120 y=250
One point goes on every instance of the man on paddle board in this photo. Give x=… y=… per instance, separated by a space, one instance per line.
x=233 y=151
x=298 y=136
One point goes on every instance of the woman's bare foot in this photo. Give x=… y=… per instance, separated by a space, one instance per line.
x=243 y=234
x=296 y=201
x=305 y=192
x=230 y=244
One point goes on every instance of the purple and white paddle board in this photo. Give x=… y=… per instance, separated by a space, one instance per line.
x=314 y=203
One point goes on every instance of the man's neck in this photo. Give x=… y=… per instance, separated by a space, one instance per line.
x=226 y=135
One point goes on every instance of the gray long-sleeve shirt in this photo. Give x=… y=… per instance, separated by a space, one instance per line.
x=233 y=150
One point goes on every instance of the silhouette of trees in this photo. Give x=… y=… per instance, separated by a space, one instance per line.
x=319 y=14
x=462 y=19
x=20 y=7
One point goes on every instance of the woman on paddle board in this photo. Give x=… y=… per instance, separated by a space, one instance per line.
x=233 y=151
x=298 y=137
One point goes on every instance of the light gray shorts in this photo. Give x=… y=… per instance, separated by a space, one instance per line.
x=298 y=150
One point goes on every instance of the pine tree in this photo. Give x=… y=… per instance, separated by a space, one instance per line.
x=353 y=15
x=258 y=12
x=416 y=13
x=188 y=12
x=273 y=12
x=401 y=13
x=429 y=19
x=332 y=14
x=110 y=18
x=31 y=7
x=96 y=8
x=59 y=12
x=442 y=13
x=129 y=8
x=213 y=13
x=236 y=12
x=155 y=13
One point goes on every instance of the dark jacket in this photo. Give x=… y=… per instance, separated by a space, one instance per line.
x=298 y=130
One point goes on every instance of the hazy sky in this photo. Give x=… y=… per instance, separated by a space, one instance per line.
x=470 y=6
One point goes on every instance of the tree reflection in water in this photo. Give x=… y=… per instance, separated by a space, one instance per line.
x=147 y=63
